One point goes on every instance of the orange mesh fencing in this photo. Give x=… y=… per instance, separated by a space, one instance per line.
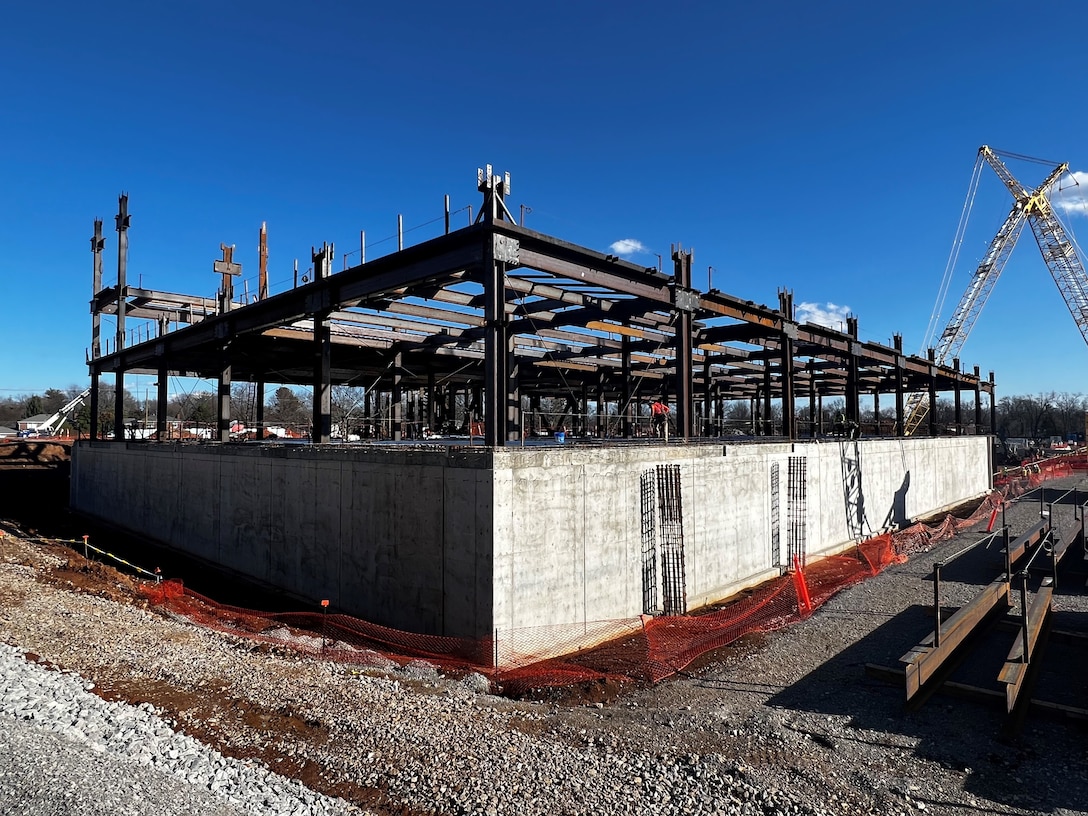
x=647 y=649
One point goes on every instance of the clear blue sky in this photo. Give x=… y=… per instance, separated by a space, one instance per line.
x=823 y=147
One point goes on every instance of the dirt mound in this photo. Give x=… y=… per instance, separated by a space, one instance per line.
x=24 y=453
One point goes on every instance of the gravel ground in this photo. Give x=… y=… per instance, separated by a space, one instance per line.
x=785 y=723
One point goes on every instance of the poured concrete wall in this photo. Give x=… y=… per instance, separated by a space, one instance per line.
x=398 y=536
x=540 y=545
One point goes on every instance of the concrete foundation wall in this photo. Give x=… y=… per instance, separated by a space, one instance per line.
x=401 y=537
x=542 y=545
x=568 y=541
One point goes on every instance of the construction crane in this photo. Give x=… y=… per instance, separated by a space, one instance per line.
x=1058 y=252
x=52 y=425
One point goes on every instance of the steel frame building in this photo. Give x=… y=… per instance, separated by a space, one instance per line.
x=508 y=316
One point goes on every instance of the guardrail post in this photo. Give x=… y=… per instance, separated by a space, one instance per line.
x=1008 y=555
x=1024 y=610
x=937 y=603
x=85 y=547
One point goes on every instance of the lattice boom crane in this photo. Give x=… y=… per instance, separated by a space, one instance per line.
x=1058 y=252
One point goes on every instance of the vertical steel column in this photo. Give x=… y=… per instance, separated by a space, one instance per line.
x=583 y=411
x=98 y=243
x=123 y=220
x=396 y=411
x=789 y=335
x=978 y=402
x=876 y=409
x=160 y=403
x=625 y=390
x=812 y=398
x=685 y=399
x=321 y=430
x=258 y=406
x=262 y=268
x=719 y=410
x=430 y=399
x=322 y=404
x=223 y=405
x=993 y=405
x=94 y=406
x=513 y=394
x=707 y=396
x=900 y=364
x=766 y=425
x=931 y=388
x=601 y=408
x=853 y=386
x=956 y=396
x=119 y=404
x=496 y=359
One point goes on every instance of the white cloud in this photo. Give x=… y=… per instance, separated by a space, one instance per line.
x=628 y=246
x=1073 y=199
x=828 y=314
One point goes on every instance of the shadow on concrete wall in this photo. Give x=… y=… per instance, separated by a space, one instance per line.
x=897 y=513
x=852 y=490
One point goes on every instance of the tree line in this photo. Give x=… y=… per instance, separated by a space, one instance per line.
x=1031 y=416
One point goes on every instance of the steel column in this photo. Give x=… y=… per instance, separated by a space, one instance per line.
x=900 y=364
x=956 y=396
x=119 y=405
x=766 y=426
x=812 y=399
x=789 y=334
x=396 y=411
x=93 y=430
x=123 y=219
x=430 y=402
x=707 y=396
x=496 y=348
x=978 y=402
x=321 y=424
x=932 y=392
x=98 y=243
x=258 y=407
x=223 y=403
x=853 y=387
x=625 y=391
x=160 y=403
x=685 y=399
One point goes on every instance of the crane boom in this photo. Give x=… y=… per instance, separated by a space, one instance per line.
x=1058 y=253
x=54 y=422
x=1064 y=263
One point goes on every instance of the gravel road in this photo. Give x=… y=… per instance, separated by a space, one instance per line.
x=107 y=706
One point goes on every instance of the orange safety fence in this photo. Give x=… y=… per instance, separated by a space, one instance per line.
x=647 y=649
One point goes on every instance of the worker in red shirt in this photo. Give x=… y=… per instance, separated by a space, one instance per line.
x=659 y=418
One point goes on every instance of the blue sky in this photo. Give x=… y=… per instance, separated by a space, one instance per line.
x=826 y=148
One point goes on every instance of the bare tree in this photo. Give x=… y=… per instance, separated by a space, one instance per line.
x=347 y=408
x=243 y=402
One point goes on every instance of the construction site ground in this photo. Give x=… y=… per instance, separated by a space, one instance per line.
x=782 y=722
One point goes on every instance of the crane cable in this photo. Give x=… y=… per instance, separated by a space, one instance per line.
x=953 y=255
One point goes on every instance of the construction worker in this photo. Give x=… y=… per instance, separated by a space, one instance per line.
x=659 y=418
